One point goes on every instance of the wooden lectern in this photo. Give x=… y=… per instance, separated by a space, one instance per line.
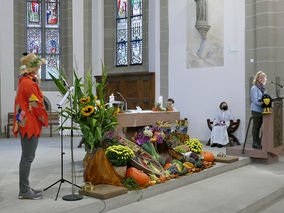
x=272 y=137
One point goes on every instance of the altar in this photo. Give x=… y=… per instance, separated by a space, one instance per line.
x=129 y=122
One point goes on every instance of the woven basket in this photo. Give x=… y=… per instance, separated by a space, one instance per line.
x=120 y=170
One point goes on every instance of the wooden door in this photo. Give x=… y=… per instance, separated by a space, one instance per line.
x=137 y=88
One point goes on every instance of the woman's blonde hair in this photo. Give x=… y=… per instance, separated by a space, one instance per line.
x=30 y=63
x=259 y=73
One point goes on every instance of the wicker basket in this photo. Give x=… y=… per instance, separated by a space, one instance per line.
x=120 y=170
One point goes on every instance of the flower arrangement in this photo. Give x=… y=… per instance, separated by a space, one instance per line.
x=183 y=122
x=147 y=137
x=88 y=110
x=119 y=155
x=194 y=144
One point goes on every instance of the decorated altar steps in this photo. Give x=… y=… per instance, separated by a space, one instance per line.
x=247 y=189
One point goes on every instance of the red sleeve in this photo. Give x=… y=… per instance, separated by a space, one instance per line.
x=36 y=105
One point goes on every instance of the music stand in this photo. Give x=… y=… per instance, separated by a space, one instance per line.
x=62 y=180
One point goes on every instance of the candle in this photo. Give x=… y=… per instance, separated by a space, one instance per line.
x=160 y=100
x=111 y=98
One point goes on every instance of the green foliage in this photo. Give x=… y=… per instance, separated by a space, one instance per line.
x=88 y=110
x=130 y=184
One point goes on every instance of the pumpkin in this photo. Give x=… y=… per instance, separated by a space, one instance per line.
x=140 y=177
x=162 y=178
x=207 y=156
x=167 y=166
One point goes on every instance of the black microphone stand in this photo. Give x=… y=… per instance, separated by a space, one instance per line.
x=61 y=180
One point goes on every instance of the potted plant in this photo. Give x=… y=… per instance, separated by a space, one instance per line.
x=88 y=110
x=119 y=156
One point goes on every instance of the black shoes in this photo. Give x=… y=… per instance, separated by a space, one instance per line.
x=256 y=146
x=217 y=145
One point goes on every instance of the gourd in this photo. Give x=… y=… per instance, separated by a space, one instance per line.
x=207 y=156
x=167 y=165
x=198 y=164
x=140 y=177
x=183 y=172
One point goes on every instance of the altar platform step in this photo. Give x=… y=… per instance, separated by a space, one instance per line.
x=256 y=154
x=253 y=188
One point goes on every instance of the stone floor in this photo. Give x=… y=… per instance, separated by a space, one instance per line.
x=224 y=188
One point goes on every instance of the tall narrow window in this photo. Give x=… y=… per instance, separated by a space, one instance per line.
x=122 y=35
x=42 y=31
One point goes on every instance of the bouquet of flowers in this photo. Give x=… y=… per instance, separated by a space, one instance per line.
x=194 y=144
x=88 y=110
x=119 y=155
x=147 y=137
x=182 y=126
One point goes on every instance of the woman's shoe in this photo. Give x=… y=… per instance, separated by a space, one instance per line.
x=30 y=195
x=214 y=145
x=219 y=145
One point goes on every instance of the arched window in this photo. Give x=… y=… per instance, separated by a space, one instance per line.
x=129 y=28
x=43 y=35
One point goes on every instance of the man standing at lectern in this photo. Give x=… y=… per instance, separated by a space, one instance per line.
x=256 y=93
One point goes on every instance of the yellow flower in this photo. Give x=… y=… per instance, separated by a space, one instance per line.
x=98 y=104
x=85 y=100
x=117 y=111
x=96 y=97
x=88 y=110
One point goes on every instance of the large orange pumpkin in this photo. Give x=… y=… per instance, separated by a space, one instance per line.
x=207 y=156
x=140 y=177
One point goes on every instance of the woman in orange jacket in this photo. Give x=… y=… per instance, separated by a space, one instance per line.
x=29 y=117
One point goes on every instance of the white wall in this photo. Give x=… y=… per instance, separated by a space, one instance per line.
x=198 y=92
x=154 y=43
x=7 y=60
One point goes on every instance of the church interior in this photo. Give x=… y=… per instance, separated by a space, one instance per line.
x=177 y=62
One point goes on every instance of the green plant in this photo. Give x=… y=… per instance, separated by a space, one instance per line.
x=88 y=110
x=119 y=155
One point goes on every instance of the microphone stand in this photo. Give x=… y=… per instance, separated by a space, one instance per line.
x=73 y=196
x=123 y=100
x=62 y=180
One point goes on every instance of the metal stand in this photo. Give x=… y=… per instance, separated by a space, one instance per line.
x=61 y=180
x=72 y=197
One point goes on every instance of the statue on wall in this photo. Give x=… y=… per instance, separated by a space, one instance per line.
x=205 y=49
x=201 y=18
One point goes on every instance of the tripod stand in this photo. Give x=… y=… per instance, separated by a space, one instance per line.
x=61 y=180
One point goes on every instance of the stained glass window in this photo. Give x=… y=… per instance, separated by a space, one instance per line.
x=42 y=31
x=133 y=45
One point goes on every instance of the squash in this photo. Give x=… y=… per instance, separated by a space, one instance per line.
x=140 y=177
x=167 y=166
x=207 y=156
x=188 y=165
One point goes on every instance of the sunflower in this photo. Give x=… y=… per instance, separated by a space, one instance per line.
x=85 y=100
x=88 y=110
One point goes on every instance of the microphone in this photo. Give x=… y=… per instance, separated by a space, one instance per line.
x=277 y=84
x=123 y=99
x=65 y=83
x=65 y=97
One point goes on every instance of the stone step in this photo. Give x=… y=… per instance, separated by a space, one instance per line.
x=246 y=189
